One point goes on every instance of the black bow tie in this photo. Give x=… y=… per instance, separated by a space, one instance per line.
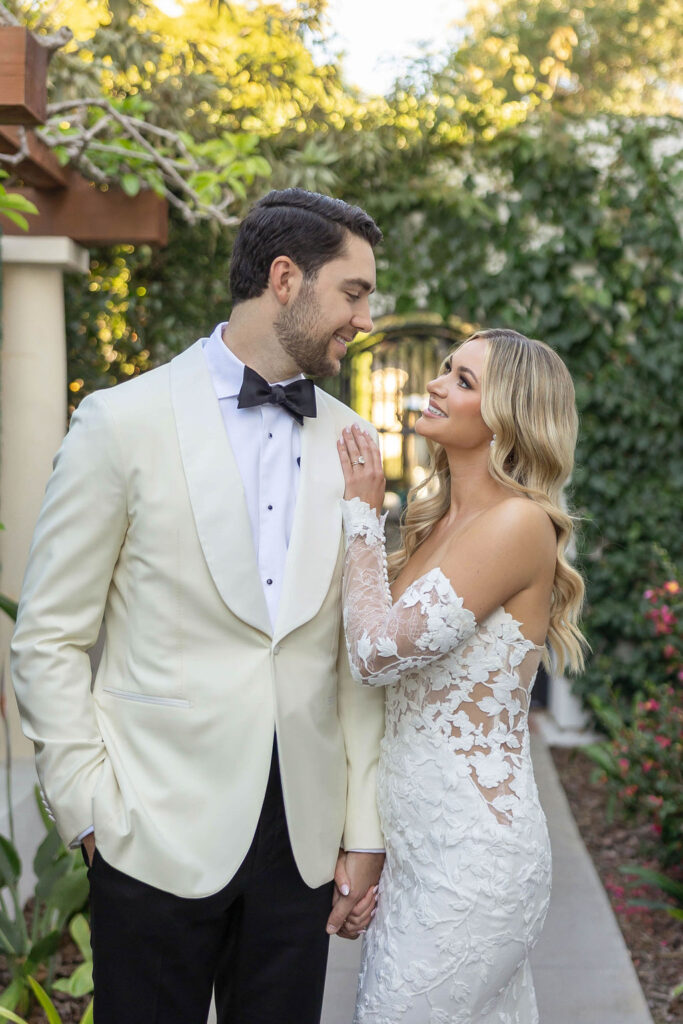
x=297 y=398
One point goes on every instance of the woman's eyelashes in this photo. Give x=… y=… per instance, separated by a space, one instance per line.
x=462 y=381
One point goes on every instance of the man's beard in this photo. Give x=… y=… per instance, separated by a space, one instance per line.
x=300 y=332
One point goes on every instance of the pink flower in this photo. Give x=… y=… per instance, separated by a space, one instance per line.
x=655 y=801
x=663 y=741
x=672 y=587
x=669 y=651
x=630 y=790
x=648 y=595
x=623 y=764
x=650 y=705
x=647 y=765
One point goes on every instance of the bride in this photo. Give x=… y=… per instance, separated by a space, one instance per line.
x=479 y=587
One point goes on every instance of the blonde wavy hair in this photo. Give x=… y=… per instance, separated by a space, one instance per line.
x=528 y=402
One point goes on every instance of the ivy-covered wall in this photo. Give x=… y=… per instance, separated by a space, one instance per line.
x=571 y=232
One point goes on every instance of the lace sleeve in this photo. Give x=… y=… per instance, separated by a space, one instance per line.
x=384 y=639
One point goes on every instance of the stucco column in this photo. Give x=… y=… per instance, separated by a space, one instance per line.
x=33 y=404
x=565 y=707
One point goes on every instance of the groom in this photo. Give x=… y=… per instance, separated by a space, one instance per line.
x=222 y=753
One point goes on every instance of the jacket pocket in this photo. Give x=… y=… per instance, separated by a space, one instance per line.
x=147 y=698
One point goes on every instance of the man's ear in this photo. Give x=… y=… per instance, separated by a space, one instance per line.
x=285 y=279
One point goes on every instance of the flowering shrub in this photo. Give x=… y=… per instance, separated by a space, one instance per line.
x=665 y=612
x=642 y=762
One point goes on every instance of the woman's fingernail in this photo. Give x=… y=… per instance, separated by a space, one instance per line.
x=376 y=887
x=331 y=929
x=372 y=914
x=345 y=890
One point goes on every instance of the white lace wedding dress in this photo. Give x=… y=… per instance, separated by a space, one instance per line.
x=466 y=883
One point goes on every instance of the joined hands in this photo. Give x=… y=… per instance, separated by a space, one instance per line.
x=355 y=893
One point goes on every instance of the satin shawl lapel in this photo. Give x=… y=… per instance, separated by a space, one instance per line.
x=215 y=489
x=317 y=528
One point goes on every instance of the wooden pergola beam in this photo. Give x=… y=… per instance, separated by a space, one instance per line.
x=41 y=167
x=23 y=77
x=92 y=215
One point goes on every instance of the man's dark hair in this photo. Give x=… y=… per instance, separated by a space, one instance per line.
x=307 y=227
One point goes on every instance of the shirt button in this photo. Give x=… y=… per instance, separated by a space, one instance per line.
x=270 y=508
x=270 y=435
x=276 y=649
x=269 y=582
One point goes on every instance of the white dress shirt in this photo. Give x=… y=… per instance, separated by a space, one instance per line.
x=266 y=443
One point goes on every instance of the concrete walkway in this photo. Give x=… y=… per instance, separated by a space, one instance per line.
x=582 y=969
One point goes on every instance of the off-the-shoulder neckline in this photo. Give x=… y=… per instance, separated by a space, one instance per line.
x=510 y=618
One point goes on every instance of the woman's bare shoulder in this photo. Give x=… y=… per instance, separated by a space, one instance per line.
x=514 y=527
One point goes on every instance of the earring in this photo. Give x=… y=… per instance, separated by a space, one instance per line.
x=493 y=440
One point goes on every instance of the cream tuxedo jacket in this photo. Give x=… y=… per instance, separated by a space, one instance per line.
x=167 y=751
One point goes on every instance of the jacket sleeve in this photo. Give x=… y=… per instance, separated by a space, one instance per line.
x=76 y=544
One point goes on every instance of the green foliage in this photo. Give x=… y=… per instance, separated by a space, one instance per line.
x=144 y=305
x=642 y=761
x=642 y=764
x=80 y=983
x=14 y=206
x=625 y=56
x=61 y=890
x=129 y=103
x=51 y=1011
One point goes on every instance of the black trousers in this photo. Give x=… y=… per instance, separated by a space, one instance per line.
x=260 y=941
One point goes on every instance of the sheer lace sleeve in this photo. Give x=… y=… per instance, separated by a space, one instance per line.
x=384 y=639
